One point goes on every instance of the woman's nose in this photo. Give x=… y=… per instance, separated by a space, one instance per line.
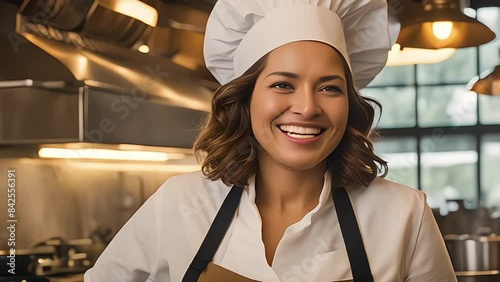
x=305 y=103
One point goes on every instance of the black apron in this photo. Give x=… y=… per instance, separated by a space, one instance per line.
x=358 y=260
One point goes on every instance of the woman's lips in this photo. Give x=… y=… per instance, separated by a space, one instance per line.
x=301 y=140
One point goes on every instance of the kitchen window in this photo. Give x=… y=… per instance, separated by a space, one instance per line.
x=401 y=153
x=437 y=136
x=490 y=164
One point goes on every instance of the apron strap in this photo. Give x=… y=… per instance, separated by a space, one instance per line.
x=360 y=266
x=358 y=260
x=214 y=236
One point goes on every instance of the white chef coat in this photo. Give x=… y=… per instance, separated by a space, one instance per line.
x=400 y=235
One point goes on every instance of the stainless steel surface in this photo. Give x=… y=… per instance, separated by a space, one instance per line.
x=68 y=80
x=127 y=69
x=59 y=86
x=31 y=115
x=72 y=199
x=106 y=24
x=62 y=14
x=174 y=72
x=183 y=26
x=477 y=273
x=473 y=276
x=474 y=252
x=93 y=19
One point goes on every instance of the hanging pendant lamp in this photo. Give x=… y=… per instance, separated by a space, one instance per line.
x=489 y=84
x=442 y=24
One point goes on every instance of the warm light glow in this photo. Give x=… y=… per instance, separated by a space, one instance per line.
x=107 y=154
x=81 y=65
x=69 y=165
x=177 y=168
x=414 y=56
x=442 y=30
x=143 y=49
x=133 y=8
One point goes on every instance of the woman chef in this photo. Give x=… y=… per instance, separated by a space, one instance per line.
x=288 y=189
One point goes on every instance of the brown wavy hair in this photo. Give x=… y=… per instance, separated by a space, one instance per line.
x=227 y=148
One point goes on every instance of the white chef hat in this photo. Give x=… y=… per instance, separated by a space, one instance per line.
x=240 y=32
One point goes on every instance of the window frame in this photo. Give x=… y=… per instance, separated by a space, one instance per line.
x=478 y=130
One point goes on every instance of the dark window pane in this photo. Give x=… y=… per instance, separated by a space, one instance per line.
x=459 y=68
x=401 y=154
x=398 y=106
x=403 y=75
x=448 y=167
x=490 y=168
x=446 y=106
x=489 y=109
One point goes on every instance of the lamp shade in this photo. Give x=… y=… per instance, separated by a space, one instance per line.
x=489 y=84
x=464 y=31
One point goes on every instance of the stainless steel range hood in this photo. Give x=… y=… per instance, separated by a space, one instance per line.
x=59 y=86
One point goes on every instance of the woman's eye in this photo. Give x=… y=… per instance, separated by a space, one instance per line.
x=335 y=89
x=282 y=86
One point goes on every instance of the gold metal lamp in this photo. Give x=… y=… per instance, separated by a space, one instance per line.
x=442 y=24
x=488 y=84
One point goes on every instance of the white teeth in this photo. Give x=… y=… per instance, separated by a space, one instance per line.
x=300 y=136
x=300 y=130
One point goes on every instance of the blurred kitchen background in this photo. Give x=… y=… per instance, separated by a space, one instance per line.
x=101 y=100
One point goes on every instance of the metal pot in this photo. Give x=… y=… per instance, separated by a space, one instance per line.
x=474 y=252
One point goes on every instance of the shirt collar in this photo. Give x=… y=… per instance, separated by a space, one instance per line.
x=323 y=197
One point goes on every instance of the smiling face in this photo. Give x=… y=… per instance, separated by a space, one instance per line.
x=299 y=106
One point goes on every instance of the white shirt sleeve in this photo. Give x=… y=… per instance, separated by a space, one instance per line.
x=132 y=255
x=430 y=261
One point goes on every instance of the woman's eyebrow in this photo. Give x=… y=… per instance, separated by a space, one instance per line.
x=284 y=73
x=331 y=77
x=295 y=76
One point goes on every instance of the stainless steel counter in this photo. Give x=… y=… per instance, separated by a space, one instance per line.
x=478 y=276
